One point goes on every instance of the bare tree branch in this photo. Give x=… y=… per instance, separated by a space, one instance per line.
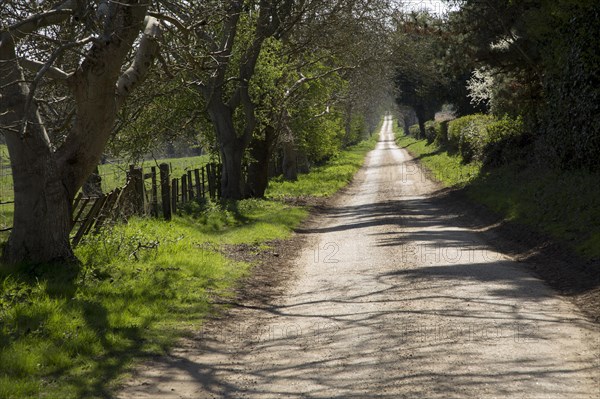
x=41 y=73
x=170 y=19
x=144 y=57
x=51 y=72
x=33 y=23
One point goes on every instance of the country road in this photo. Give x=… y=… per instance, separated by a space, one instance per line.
x=392 y=298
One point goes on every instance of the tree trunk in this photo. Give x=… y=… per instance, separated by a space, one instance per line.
x=406 y=125
x=258 y=169
x=232 y=182
x=421 y=118
x=348 y=126
x=232 y=151
x=290 y=161
x=42 y=214
x=42 y=218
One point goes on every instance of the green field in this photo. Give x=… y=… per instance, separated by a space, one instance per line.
x=6 y=192
x=73 y=331
x=113 y=175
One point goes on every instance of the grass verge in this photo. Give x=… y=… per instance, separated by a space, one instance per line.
x=562 y=204
x=71 y=330
x=323 y=181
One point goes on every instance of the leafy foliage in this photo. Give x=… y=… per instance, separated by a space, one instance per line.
x=570 y=117
x=487 y=139
x=506 y=142
x=414 y=131
x=536 y=196
x=537 y=60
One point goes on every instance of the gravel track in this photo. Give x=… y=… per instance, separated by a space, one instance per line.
x=392 y=297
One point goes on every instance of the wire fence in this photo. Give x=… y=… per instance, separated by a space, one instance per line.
x=6 y=192
x=109 y=176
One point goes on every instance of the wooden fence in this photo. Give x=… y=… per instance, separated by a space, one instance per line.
x=163 y=196
x=90 y=213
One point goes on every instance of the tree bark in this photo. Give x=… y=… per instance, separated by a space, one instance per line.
x=232 y=182
x=258 y=169
x=42 y=214
x=406 y=125
x=232 y=150
x=290 y=161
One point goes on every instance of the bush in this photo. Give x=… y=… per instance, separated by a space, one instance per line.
x=430 y=131
x=455 y=128
x=468 y=135
x=473 y=138
x=414 y=131
x=505 y=141
x=441 y=132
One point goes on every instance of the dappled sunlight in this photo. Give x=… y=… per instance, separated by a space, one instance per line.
x=398 y=295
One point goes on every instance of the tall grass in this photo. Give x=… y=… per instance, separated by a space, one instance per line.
x=68 y=330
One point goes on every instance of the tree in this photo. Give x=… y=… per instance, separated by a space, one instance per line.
x=542 y=57
x=85 y=48
x=219 y=58
x=418 y=52
x=336 y=59
x=222 y=51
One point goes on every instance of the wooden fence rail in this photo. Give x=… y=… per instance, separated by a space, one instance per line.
x=165 y=194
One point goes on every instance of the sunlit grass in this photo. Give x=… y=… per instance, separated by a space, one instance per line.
x=107 y=313
x=325 y=180
x=68 y=331
x=72 y=330
x=444 y=167
x=563 y=204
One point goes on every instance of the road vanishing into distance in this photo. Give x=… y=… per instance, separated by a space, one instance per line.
x=391 y=297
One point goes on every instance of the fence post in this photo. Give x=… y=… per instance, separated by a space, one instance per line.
x=138 y=189
x=165 y=191
x=175 y=194
x=209 y=177
x=203 y=182
x=154 y=209
x=184 y=189
x=106 y=210
x=198 y=188
x=218 y=171
x=190 y=185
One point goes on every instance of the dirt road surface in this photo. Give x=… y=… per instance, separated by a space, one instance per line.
x=392 y=299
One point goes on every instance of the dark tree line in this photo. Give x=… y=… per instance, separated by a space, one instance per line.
x=535 y=59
